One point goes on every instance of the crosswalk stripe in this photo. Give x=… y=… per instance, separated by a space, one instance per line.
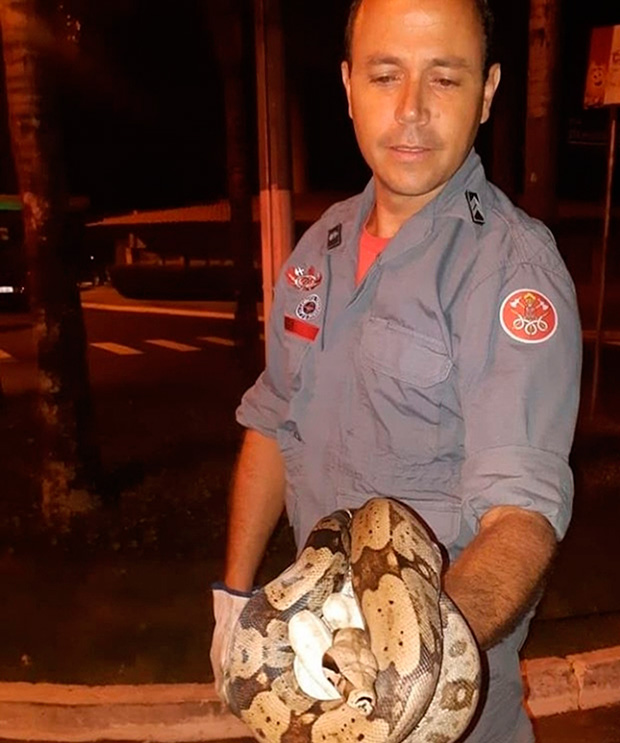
x=118 y=349
x=4 y=356
x=222 y=341
x=144 y=309
x=173 y=345
x=217 y=341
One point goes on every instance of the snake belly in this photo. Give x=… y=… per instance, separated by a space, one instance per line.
x=427 y=662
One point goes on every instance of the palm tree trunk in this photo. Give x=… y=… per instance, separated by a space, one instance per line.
x=69 y=460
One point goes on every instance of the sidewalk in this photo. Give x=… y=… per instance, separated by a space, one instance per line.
x=189 y=713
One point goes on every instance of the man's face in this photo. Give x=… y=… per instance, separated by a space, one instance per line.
x=417 y=93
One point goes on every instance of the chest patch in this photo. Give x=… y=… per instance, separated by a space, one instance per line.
x=309 y=308
x=298 y=327
x=528 y=316
x=304 y=278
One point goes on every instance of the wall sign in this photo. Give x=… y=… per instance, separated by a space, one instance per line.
x=603 y=80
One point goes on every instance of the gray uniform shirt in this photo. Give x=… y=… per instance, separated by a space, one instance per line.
x=448 y=378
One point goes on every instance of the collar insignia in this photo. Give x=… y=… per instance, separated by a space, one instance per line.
x=475 y=207
x=334 y=237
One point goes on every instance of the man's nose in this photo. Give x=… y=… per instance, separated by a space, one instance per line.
x=413 y=104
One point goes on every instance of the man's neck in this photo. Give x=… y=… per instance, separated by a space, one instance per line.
x=391 y=211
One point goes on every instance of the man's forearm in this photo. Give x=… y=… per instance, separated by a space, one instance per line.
x=498 y=576
x=255 y=505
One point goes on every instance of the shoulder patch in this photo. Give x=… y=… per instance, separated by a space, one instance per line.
x=528 y=316
x=475 y=207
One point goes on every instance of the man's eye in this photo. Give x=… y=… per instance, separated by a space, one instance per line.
x=383 y=79
x=447 y=82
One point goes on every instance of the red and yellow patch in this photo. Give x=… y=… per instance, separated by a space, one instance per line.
x=528 y=316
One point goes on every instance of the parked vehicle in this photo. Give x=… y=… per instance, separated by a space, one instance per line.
x=89 y=271
x=13 y=283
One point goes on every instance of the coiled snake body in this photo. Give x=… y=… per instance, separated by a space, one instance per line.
x=410 y=671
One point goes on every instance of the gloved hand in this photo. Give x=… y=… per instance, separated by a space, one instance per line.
x=227 y=606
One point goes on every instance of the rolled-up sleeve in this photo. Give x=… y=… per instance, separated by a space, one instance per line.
x=519 y=399
x=264 y=405
x=261 y=407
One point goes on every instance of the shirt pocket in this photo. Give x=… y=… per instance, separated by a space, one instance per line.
x=296 y=350
x=397 y=397
x=404 y=354
x=292 y=449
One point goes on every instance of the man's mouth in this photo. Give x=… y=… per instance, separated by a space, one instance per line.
x=409 y=147
x=409 y=152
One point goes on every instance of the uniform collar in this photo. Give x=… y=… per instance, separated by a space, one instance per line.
x=456 y=200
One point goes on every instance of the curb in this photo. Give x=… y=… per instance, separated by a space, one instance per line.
x=165 y=713
x=171 y=713
x=578 y=682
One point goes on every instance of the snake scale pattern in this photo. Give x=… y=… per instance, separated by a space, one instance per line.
x=411 y=674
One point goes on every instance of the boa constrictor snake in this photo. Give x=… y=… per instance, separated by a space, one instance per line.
x=409 y=671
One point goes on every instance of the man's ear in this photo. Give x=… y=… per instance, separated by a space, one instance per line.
x=346 y=81
x=490 y=88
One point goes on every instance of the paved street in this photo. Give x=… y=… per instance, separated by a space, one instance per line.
x=127 y=348
x=171 y=371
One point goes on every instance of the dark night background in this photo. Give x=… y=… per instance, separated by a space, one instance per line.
x=123 y=598
x=142 y=118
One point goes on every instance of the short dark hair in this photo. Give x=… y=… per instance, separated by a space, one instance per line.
x=487 y=22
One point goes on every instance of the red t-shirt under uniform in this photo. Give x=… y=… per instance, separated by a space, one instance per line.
x=370 y=247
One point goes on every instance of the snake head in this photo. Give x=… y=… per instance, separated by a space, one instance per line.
x=352 y=668
x=310 y=638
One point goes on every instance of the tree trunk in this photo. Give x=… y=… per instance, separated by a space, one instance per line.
x=274 y=146
x=226 y=23
x=69 y=461
x=539 y=196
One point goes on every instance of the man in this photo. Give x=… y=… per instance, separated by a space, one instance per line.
x=424 y=343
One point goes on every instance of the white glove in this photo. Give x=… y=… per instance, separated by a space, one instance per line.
x=227 y=607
